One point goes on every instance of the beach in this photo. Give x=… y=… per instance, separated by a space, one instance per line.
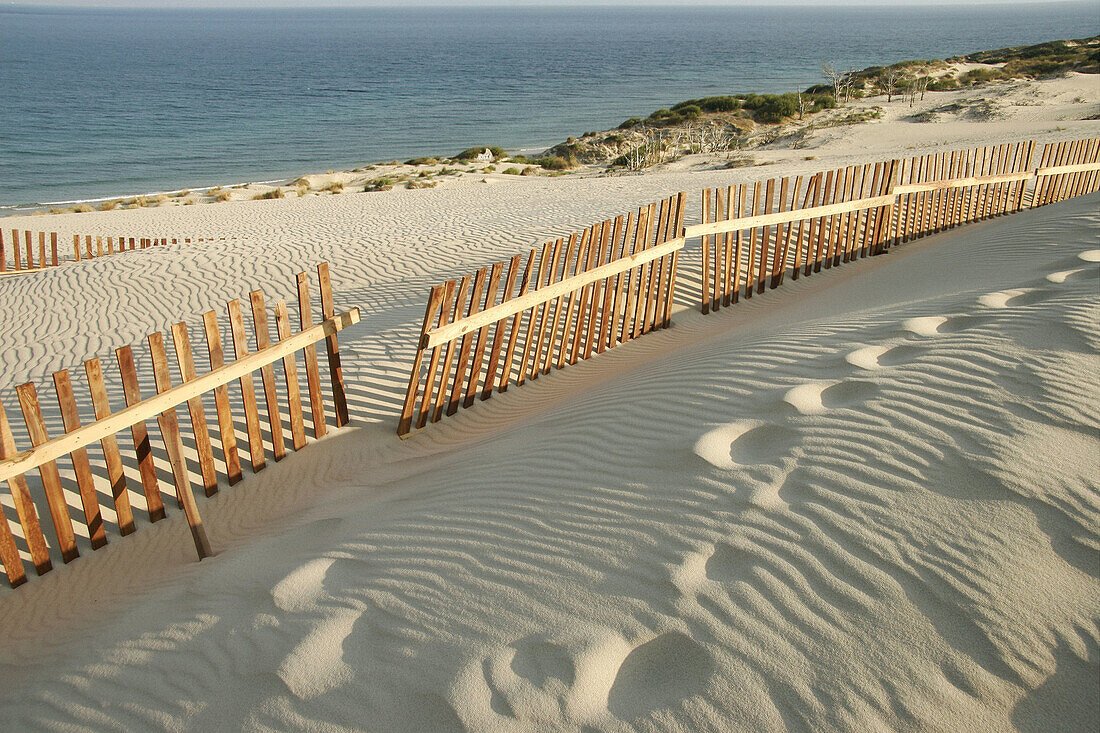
x=865 y=501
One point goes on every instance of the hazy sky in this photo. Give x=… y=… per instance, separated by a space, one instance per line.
x=498 y=3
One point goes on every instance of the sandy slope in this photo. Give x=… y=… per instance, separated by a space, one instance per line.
x=865 y=502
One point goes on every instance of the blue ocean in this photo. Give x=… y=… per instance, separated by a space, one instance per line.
x=102 y=103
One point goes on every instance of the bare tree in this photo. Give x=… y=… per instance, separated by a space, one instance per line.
x=801 y=104
x=834 y=77
x=888 y=83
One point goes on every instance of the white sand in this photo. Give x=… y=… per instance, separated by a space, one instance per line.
x=866 y=501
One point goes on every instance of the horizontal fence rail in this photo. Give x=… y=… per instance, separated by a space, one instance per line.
x=37 y=251
x=102 y=431
x=1066 y=170
x=576 y=297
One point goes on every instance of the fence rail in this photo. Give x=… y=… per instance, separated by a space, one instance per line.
x=577 y=297
x=85 y=246
x=15 y=465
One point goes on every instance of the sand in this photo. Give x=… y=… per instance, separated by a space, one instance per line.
x=866 y=501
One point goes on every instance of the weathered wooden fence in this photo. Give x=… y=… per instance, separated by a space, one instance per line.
x=35 y=251
x=752 y=233
x=576 y=297
x=78 y=436
x=755 y=235
x=1066 y=170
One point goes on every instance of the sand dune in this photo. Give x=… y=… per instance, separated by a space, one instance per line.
x=865 y=502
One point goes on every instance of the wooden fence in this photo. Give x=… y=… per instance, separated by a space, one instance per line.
x=858 y=211
x=576 y=297
x=1066 y=170
x=15 y=464
x=35 y=251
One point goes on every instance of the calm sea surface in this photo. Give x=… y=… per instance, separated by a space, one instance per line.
x=98 y=103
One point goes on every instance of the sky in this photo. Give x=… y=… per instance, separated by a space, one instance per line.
x=495 y=3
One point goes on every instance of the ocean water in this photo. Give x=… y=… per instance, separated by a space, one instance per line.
x=101 y=103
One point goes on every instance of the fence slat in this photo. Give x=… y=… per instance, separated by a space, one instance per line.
x=115 y=473
x=290 y=376
x=405 y=422
x=267 y=375
x=493 y=365
x=313 y=372
x=448 y=361
x=226 y=428
x=85 y=482
x=24 y=505
x=51 y=479
x=186 y=362
x=433 y=364
x=173 y=444
x=248 y=389
x=336 y=372
x=142 y=447
x=478 y=356
x=467 y=341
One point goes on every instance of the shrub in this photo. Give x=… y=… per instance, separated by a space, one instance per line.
x=109 y=205
x=472 y=153
x=81 y=209
x=334 y=187
x=530 y=171
x=555 y=163
x=944 y=84
x=518 y=159
x=383 y=183
x=710 y=104
x=979 y=76
x=626 y=125
x=275 y=193
x=413 y=185
x=512 y=171
x=181 y=194
x=422 y=161
x=613 y=139
x=223 y=196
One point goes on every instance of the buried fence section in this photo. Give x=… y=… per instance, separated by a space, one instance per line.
x=755 y=234
x=1066 y=170
x=113 y=490
x=35 y=251
x=554 y=306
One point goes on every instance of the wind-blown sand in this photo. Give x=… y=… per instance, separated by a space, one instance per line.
x=866 y=501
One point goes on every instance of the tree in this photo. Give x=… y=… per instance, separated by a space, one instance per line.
x=888 y=83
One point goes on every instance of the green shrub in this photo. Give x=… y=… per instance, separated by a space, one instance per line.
x=512 y=171
x=710 y=104
x=554 y=163
x=979 y=76
x=422 y=161
x=275 y=193
x=334 y=187
x=633 y=121
x=413 y=185
x=944 y=84
x=384 y=183
x=472 y=153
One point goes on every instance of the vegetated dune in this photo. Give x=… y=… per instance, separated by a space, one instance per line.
x=865 y=501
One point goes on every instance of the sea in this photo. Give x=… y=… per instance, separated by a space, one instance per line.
x=98 y=103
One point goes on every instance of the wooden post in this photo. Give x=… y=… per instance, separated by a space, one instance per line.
x=517 y=324
x=53 y=249
x=173 y=444
x=27 y=237
x=149 y=483
x=435 y=300
x=290 y=376
x=313 y=373
x=336 y=374
x=267 y=375
x=186 y=362
x=467 y=341
x=115 y=472
x=477 y=357
x=51 y=479
x=445 y=377
x=3 y=256
x=16 y=254
x=226 y=427
x=708 y=295
x=84 y=480
x=24 y=506
x=429 y=382
x=248 y=389
x=493 y=364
